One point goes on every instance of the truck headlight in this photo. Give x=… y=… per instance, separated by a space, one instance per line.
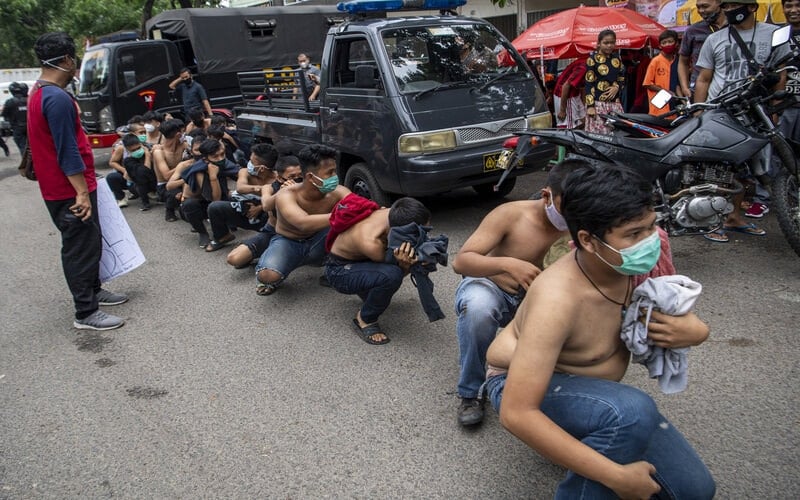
x=433 y=142
x=105 y=122
x=540 y=120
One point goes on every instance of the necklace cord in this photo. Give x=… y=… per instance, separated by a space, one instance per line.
x=585 y=274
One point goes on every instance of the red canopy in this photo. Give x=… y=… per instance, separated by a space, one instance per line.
x=573 y=32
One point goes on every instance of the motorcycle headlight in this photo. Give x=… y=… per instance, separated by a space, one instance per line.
x=105 y=121
x=540 y=120
x=433 y=142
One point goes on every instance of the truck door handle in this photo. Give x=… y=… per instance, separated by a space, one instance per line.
x=334 y=107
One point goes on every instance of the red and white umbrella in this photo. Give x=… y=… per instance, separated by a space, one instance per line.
x=573 y=32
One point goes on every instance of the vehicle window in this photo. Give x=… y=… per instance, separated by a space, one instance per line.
x=426 y=56
x=139 y=65
x=94 y=71
x=354 y=64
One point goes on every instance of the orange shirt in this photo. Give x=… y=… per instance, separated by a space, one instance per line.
x=657 y=74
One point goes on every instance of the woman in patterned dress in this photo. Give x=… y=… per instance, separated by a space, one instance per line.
x=605 y=77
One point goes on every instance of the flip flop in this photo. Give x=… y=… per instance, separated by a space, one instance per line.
x=717 y=236
x=368 y=331
x=264 y=289
x=750 y=229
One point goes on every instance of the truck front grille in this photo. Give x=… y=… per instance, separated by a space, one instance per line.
x=484 y=132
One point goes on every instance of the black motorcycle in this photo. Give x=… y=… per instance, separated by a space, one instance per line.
x=695 y=165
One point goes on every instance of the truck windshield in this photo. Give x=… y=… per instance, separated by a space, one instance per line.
x=424 y=57
x=94 y=71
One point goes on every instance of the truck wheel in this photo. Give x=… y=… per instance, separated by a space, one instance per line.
x=487 y=190
x=361 y=181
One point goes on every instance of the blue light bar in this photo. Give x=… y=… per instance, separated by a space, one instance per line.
x=357 y=6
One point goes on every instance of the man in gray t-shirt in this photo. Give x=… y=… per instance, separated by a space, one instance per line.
x=722 y=63
x=721 y=60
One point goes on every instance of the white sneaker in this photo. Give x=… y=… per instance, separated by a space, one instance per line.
x=122 y=203
x=99 y=320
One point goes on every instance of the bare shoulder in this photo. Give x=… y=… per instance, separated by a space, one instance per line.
x=554 y=294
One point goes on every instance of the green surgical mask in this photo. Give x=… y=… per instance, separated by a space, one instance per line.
x=139 y=153
x=142 y=138
x=328 y=184
x=640 y=258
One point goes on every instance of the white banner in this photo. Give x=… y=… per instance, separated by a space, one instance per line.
x=121 y=252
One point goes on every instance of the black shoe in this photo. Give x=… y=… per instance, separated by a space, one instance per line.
x=323 y=281
x=470 y=411
x=144 y=208
x=170 y=217
x=203 y=239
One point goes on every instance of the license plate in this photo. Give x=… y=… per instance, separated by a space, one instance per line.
x=491 y=161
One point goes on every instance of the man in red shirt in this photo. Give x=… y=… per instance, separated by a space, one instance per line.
x=64 y=166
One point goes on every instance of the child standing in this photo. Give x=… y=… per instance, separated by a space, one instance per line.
x=660 y=74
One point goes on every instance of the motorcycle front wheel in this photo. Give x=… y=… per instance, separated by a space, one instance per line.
x=786 y=197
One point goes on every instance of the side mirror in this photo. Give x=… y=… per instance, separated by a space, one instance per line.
x=661 y=98
x=781 y=35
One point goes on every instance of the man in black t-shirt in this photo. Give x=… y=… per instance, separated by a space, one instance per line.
x=15 y=112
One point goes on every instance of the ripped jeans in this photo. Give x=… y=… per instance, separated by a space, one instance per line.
x=621 y=423
x=284 y=255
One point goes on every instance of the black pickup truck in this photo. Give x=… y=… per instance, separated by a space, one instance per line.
x=415 y=105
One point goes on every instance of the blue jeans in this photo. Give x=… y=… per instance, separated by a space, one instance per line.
x=284 y=255
x=374 y=282
x=482 y=308
x=621 y=423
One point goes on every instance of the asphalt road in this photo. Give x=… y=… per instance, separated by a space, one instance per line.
x=212 y=391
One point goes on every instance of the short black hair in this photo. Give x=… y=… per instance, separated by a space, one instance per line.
x=668 y=34
x=312 y=155
x=284 y=147
x=285 y=162
x=135 y=119
x=170 y=128
x=215 y=132
x=209 y=147
x=130 y=140
x=407 y=210
x=557 y=174
x=153 y=115
x=266 y=153
x=606 y=33
x=219 y=120
x=597 y=198
x=185 y=70
x=197 y=116
x=197 y=132
x=54 y=46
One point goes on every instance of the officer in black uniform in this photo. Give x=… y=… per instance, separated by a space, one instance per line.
x=15 y=112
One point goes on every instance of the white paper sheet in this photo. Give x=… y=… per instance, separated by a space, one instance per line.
x=121 y=252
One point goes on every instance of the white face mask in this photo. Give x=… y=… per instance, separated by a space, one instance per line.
x=304 y=65
x=553 y=215
x=149 y=128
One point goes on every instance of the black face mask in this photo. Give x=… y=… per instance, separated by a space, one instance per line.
x=711 y=18
x=298 y=180
x=220 y=163
x=188 y=82
x=738 y=15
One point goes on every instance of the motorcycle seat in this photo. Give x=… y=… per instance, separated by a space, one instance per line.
x=646 y=119
x=661 y=146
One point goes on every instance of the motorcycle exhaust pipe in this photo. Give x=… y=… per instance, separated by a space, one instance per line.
x=713 y=188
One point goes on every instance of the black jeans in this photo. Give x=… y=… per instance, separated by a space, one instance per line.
x=81 y=247
x=195 y=210
x=143 y=178
x=21 y=139
x=118 y=184
x=223 y=217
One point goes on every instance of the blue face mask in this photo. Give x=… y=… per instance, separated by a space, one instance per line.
x=328 y=184
x=640 y=258
x=137 y=154
x=251 y=169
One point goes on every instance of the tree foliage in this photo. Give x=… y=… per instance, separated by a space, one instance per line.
x=22 y=21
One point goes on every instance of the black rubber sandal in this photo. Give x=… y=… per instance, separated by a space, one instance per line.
x=368 y=331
